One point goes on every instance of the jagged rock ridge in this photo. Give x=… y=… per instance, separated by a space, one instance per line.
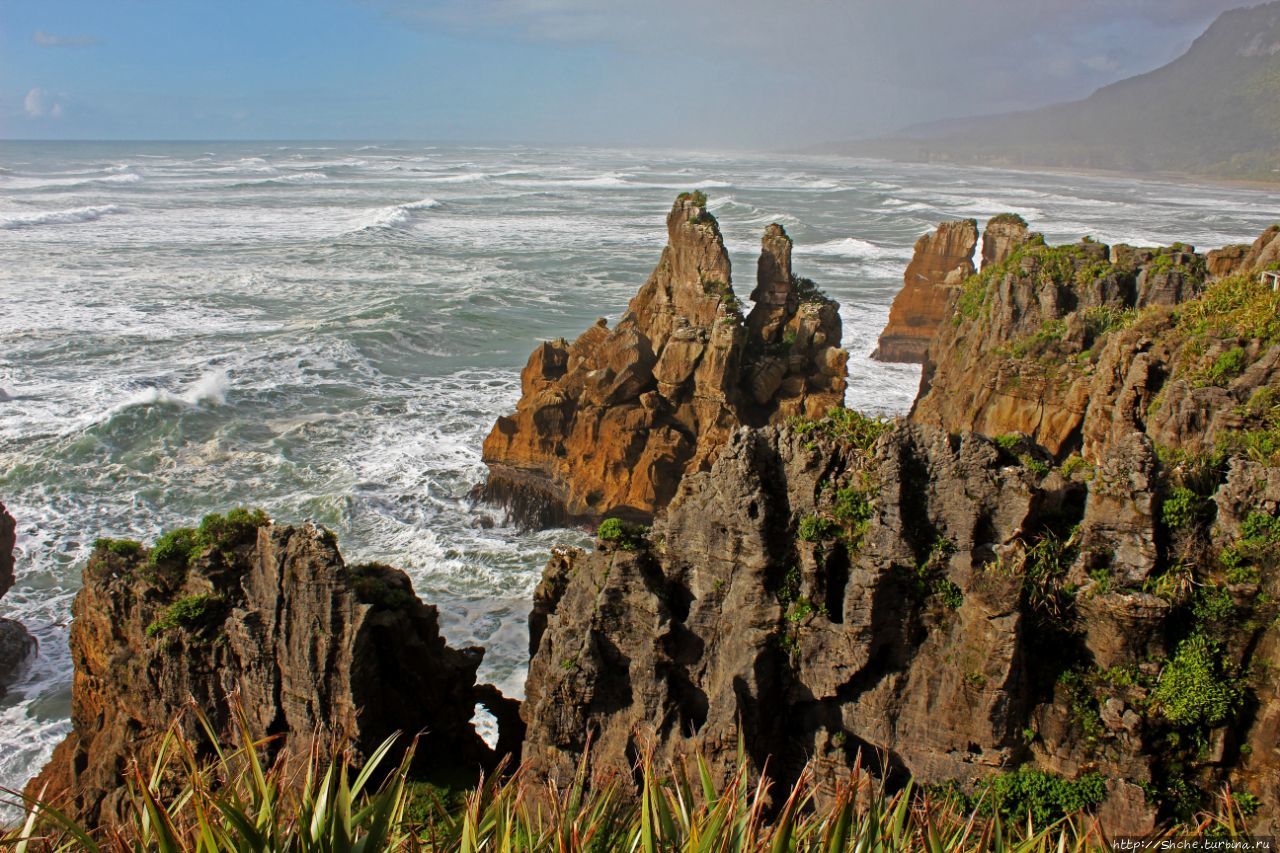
x=609 y=424
x=938 y=607
x=272 y=615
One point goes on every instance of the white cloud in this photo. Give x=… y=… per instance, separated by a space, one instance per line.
x=46 y=39
x=40 y=104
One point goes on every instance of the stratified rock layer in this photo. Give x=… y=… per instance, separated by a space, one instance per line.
x=309 y=645
x=609 y=424
x=941 y=607
x=940 y=264
x=16 y=645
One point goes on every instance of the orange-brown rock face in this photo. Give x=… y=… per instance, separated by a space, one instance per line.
x=1002 y=236
x=608 y=425
x=1079 y=347
x=942 y=261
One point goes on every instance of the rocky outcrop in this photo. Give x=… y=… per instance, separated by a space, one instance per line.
x=16 y=645
x=1003 y=236
x=608 y=424
x=1264 y=253
x=933 y=605
x=940 y=264
x=273 y=616
x=1079 y=346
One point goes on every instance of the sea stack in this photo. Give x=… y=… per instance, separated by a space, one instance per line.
x=609 y=424
x=941 y=262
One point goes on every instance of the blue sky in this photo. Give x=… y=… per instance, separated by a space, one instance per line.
x=728 y=73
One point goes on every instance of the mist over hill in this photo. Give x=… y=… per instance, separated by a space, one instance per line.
x=1214 y=111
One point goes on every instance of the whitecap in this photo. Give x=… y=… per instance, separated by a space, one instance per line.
x=394 y=216
x=852 y=247
x=211 y=387
x=61 y=217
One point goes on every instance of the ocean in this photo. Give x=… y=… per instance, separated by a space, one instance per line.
x=328 y=331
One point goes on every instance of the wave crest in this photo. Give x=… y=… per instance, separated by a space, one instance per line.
x=61 y=217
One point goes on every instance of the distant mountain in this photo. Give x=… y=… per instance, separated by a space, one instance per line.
x=1214 y=111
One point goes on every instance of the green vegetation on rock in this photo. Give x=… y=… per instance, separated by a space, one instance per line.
x=188 y=614
x=628 y=537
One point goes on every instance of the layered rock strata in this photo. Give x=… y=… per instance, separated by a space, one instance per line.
x=16 y=645
x=1079 y=346
x=608 y=424
x=941 y=262
x=934 y=606
x=271 y=615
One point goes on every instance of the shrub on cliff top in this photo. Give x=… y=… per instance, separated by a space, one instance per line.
x=127 y=548
x=219 y=531
x=628 y=537
x=1006 y=219
x=1238 y=306
x=698 y=197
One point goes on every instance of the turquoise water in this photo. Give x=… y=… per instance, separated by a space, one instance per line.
x=328 y=332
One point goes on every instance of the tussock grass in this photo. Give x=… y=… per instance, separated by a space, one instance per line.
x=239 y=803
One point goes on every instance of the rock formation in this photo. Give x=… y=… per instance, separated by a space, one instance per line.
x=273 y=615
x=1078 y=346
x=609 y=424
x=1241 y=257
x=940 y=264
x=1003 y=235
x=936 y=606
x=16 y=645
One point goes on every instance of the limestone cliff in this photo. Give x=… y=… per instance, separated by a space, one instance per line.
x=941 y=262
x=16 y=645
x=273 y=615
x=608 y=424
x=933 y=605
x=1079 y=346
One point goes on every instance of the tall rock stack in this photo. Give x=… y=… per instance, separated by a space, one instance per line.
x=607 y=425
x=940 y=264
x=1002 y=236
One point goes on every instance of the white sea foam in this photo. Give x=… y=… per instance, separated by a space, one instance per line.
x=61 y=217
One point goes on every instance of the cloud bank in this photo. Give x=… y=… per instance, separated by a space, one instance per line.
x=847 y=67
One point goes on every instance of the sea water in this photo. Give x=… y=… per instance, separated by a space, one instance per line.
x=327 y=331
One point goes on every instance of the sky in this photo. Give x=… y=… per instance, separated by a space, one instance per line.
x=682 y=73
